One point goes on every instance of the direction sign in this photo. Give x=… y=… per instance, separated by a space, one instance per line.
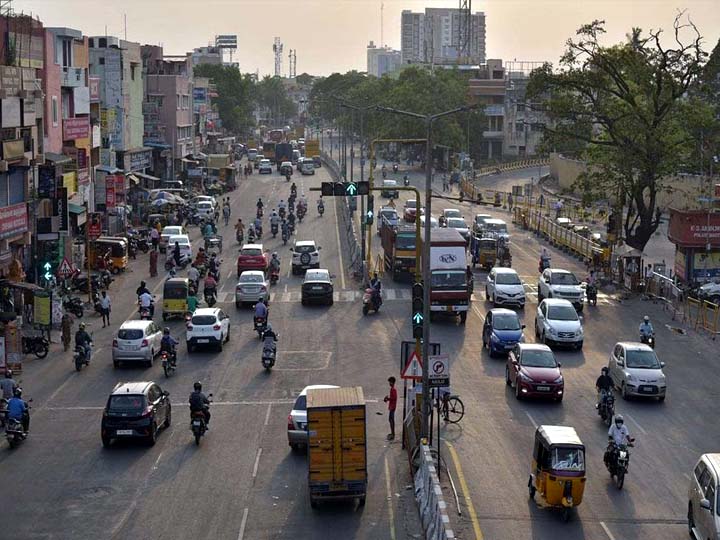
x=413 y=368
x=439 y=370
x=47 y=275
x=65 y=270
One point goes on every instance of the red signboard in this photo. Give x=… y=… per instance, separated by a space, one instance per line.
x=694 y=228
x=13 y=220
x=94 y=226
x=76 y=128
x=110 y=192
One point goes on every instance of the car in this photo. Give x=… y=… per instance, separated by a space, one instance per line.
x=265 y=166
x=479 y=222
x=564 y=222
x=297 y=419
x=202 y=198
x=317 y=287
x=257 y=160
x=307 y=166
x=301 y=142
x=167 y=232
x=205 y=209
x=710 y=291
x=636 y=370
x=135 y=410
x=295 y=155
x=252 y=257
x=252 y=154
x=389 y=189
x=504 y=287
x=497 y=228
x=703 y=504
x=208 y=326
x=317 y=161
x=136 y=341
x=285 y=168
x=305 y=254
x=501 y=331
x=387 y=214
x=252 y=286
x=451 y=213
x=532 y=370
x=460 y=226
x=433 y=222
x=410 y=210
x=557 y=322
x=558 y=283
x=183 y=240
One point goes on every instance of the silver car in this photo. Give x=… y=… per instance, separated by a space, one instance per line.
x=136 y=341
x=460 y=226
x=251 y=287
x=636 y=370
x=297 y=421
x=703 y=503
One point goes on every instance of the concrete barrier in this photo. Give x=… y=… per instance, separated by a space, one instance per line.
x=429 y=497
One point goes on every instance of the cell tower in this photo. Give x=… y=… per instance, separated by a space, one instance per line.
x=464 y=34
x=292 y=67
x=278 y=50
x=6 y=8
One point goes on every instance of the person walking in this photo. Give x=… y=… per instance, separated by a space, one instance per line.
x=105 y=308
x=510 y=202
x=391 y=400
x=153 y=262
x=155 y=237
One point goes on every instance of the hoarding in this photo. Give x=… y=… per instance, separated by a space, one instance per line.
x=76 y=128
x=13 y=220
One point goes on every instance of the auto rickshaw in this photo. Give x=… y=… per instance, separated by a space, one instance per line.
x=558 y=468
x=162 y=218
x=117 y=248
x=175 y=293
x=484 y=251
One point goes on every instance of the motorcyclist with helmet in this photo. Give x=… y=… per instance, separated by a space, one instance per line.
x=168 y=344
x=83 y=339
x=604 y=385
x=618 y=434
x=275 y=263
x=17 y=409
x=646 y=329
x=199 y=402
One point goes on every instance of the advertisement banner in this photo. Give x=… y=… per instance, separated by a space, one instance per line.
x=200 y=95
x=447 y=257
x=46 y=182
x=94 y=87
x=76 y=128
x=110 y=192
x=706 y=265
x=694 y=228
x=13 y=220
x=62 y=209
x=42 y=309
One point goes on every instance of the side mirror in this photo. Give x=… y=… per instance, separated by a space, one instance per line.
x=621 y=363
x=166 y=393
x=662 y=364
x=559 y=364
x=522 y=327
x=704 y=503
x=319 y=248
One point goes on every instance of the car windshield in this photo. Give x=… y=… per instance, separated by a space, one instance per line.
x=642 y=360
x=252 y=278
x=251 y=252
x=405 y=241
x=507 y=279
x=562 y=313
x=300 y=403
x=127 y=403
x=568 y=459
x=453 y=214
x=534 y=358
x=452 y=279
x=496 y=227
x=457 y=223
x=563 y=278
x=410 y=203
x=304 y=249
x=203 y=320
x=506 y=322
x=130 y=333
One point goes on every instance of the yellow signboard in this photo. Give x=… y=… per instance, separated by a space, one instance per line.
x=41 y=311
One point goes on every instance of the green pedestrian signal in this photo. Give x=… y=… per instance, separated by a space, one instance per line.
x=370 y=214
x=417 y=310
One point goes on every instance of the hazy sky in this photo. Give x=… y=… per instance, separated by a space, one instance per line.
x=331 y=35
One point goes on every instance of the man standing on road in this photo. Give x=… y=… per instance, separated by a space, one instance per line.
x=105 y=308
x=391 y=400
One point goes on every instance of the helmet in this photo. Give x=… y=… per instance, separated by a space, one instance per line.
x=274 y=255
x=197 y=386
x=82 y=326
x=8 y=374
x=646 y=318
x=142 y=283
x=619 y=419
x=17 y=392
x=604 y=370
x=166 y=331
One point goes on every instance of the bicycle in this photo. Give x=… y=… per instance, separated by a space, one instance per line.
x=452 y=408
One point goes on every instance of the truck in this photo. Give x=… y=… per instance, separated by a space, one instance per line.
x=268 y=150
x=283 y=152
x=398 y=245
x=337 y=444
x=450 y=289
x=312 y=148
x=276 y=135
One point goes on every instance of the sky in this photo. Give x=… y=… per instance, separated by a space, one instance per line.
x=332 y=35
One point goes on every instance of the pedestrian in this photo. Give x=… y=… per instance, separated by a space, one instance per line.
x=153 y=262
x=391 y=400
x=510 y=202
x=444 y=182
x=105 y=308
x=8 y=385
x=154 y=237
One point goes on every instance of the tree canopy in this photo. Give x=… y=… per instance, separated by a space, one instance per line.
x=235 y=95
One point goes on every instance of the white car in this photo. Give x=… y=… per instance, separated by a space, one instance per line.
x=703 y=506
x=205 y=209
x=167 y=232
x=202 y=198
x=498 y=228
x=452 y=213
x=307 y=166
x=251 y=287
x=557 y=283
x=136 y=341
x=387 y=214
x=389 y=189
x=252 y=154
x=479 y=222
x=208 y=326
x=305 y=254
x=504 y=287
x=557 y=322
x=265 y=166
x=297 y=419
x=636 y=370
x=460 y=226
x=183 y=241
x=433 y=222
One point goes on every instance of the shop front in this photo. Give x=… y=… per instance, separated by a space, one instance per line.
x=696 y=235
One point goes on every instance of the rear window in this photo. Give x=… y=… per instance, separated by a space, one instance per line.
x=252 y=278
x=251 y=252
x=127 y=403
x=410 y=203
x=457 y=223
x=300 y=403
x=175 y=292
x=204 y=320
x=304 y=249
x=130 y=333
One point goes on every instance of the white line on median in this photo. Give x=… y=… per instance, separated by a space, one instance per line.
x=532 y=420
x=640 y=428
x=267 y=414
x=477 y=312
x=607 y=531
x=337 y=235
x=391 y=514
x=257 y=462
x=243 y=522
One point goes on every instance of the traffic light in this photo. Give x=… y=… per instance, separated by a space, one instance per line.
x=344 y=189
x=47 y=273
x=370 y=214
x=417 y=310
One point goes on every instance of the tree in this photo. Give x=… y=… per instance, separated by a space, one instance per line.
x=234 y=101
x=629 y=109
x=271 y=94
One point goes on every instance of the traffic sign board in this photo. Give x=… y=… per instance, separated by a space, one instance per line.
x=65 y=269
x=439 y=370
x=408 y=347
x=413 y=368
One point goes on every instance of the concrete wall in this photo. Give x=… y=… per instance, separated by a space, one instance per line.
x=50 y=75
x=134 y=94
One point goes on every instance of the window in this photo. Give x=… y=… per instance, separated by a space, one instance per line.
x=3 y=190
x=177 y=97
x=54 y=111
x=519 y=127
x=16 y=186
x=102 y=61
x=133 y=69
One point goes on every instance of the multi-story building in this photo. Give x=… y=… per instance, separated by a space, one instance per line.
x=440 y=36
x=382 y=60
x=206 y=55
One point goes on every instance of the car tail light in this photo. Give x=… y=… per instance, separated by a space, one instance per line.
x=144 y=343
x=216 y=327
x=148 y=411
x=115 y=343
x=291 y=425
x=189 y=327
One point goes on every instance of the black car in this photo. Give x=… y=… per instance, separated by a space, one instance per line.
x=317 y=287
x=135 y=410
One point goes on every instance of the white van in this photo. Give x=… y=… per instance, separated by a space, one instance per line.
x=252 y=154
x=307 y=166
x=498 y=228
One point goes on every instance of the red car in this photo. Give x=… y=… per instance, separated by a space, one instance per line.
x=532 y=371
x=410 y=211
x=252 y=257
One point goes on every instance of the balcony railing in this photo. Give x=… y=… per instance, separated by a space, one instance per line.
x=72 y=77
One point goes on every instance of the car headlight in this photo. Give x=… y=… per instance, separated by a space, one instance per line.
x=493 y=337
x=558 y=380
x=552 y=331
x=629 y=377
x=661 y=380
x=580 y=331
x=524 y=377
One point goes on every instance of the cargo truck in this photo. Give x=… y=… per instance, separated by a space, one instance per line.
x=268 y=150
x=398 y=245
x=450 y=290
x=283 y=152
x=312 y=148
x=337 y=444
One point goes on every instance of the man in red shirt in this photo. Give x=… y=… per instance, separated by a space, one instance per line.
x=391 y=400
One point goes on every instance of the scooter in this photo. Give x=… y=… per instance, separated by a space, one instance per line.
x=197 y=424
x=301 y=213
x=544 y=264
x=321 y=209
x=97 y=306
x=406 y=180
x=146 y=313
x=169 y=362
x=240 y=237
x=371 y=302
x=74 y=305
x=282 y=212
x=285 y=235
x=395 y=168
x=210 y=297
x=14 y=432
x=37 y=345
x=274 y=229
x=260 y=325
x=648 y=339
x=269 y=352
x=274 y=276
x=81 y=357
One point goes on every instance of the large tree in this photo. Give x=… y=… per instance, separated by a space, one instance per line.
x=235 y=95
x=628 y=110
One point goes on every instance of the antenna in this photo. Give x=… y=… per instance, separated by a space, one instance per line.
x=382 y=29
x=464 y=35
x=125 y=24
x=278 y=50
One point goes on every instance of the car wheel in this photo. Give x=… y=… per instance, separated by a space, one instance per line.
x=691 y=521
x=537 y=332
x=661 y=398
x=518 y=393
x=238 y=305
x=152 y=438
x=106 y=441
x=331 y=301
x=507 y=376
x=487 y=294
x=543 y=340
x=303 y=302
x=116 y=364
x=624 y=392
x=168 y=419
x=540 y=295
x=227 y=336
x=579 y=346
x=220 y=344
x=494 y=301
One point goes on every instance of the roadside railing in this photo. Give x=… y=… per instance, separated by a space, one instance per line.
x=429 y=497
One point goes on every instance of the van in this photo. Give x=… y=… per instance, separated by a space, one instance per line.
x=307 y=166
x=497 y=228
x=252 y=154
x=295 y=156
x=703 y=519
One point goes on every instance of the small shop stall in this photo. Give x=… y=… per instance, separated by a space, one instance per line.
x=696 y=235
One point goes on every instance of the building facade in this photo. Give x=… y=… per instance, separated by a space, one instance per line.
x=206 y=55
x=382 y=60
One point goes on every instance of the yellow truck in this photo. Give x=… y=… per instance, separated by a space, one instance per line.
x=337 y=444
x=312 y=148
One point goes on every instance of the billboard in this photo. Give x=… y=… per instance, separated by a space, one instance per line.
x=226 y=41
x=13 y=220
x=76 y=128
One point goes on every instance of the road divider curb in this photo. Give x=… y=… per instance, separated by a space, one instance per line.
x=429 y=497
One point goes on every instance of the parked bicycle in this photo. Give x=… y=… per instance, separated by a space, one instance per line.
x=452 y=408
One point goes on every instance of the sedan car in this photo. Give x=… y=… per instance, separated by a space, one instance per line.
x=556 y=283
x=501 y=331
x=305 y=255
x=558 y=323
x=135 y=410
x=252 y=257
x=208 y=326
x=317 y=287
x=389 y=215
x=433 y=222
x=167 y=232
x=251 y=287
x=410 y=210
x=452 y=213
x=504 y=287
x=459 y=225
x=136 y=341
x=636 y=370
x=265 y=166
x=532 y=371
x=297 y=419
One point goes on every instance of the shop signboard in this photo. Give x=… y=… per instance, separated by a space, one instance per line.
x=94 y=87
x=76 y=128
x=694 y=228
x=62 y=208
x=46 y=182
x=706 y=265
x=13 y=220
x=110 y=191
x=42 y=308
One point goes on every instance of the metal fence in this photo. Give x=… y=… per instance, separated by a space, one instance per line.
x=430 y=500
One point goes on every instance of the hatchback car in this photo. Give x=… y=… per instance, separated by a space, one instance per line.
x=167 y=232
x=285 y=168
x=557 y=322
x=636 y=370
x=252 y=154
x=135 y=410
x=136 y=341
x=208 y=326
x=479 y=222
x=205 y=209
x=452 y=213
x=389 y=215
x=202 y=198
x=459 y=225
x=265 y=166
x=389 y=189
x=504 y=287
x=307 y=166
x=183 y=240
x=703 y=501
x=251 y=287
x=305 y=255
x=410 y=210
x=532 y=371
x=297 y=419
x=252 y=257
x=556 y=283
x=434 y=224
x=501 y=331
x=317 y=287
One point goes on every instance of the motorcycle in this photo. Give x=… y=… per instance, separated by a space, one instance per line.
x=301 y=213
x=406 y=180
x=14 y=432
x=287 y=177
x=274 y=229
x=251 y=236
x=591 y=292
x=37 y=345
x=169 y=362
x=74 y=305
x=371 y=301
x=544 y=264
x=240 y=237
x=291 y=226
x=606 y=408
x=97 y=306
x=285 y=235
x=618 y=465
x=197 y=424
x=269 y=352
x=395 y=168
x=259 y=213
x=321 y=209
x=282 y=212
x=132 y=248
x=648 y=339
x=210 y=297
x=384 y=173
x=260 y=325
x=274 y=276
x=81 y=357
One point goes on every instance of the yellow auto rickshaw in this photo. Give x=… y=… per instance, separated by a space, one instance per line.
x=175 y=293
x=484 y=252
x=558 y=468
x=116 y=247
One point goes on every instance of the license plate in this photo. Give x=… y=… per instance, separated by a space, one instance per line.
x=203 y=341
x=124 y=431
x=317 y=288
x=196 y=423
x=131 y=347
x=647 y=389
x=543 y=388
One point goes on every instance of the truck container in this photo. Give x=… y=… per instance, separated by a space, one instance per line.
x=399 y=249
x=312 y=148
x=268 y=150
x=337 y=444
x=283 y=152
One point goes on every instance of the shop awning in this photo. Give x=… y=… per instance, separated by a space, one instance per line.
x=57 y=159
x=157 y=145
x=76 y=208
x=147 y=177
x=107 y=169
x=132 y=178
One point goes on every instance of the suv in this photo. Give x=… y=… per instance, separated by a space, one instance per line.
x=557 y=322
x=389 y=189
x=138 y=341
x=135 y=410
x=317 y=286
x=208 y=326
x=504 y=286
x=636 y=370
x=555 y=283
x=297 y=419
x=703 y=508
x=265 y=166
x=252 y=257
x=305 y=255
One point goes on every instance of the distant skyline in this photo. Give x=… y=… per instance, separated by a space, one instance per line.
x=332 y=35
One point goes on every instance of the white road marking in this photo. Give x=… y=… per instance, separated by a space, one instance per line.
x=607 y=531
x=257 y=463
x=286 y=288
x=54 y=394
x=337 y=235
x=477 y=312
x=279 y=401
x=243 y=522
x=532 y=420
x=640 y=428
x=267 y=414
x=388 y=487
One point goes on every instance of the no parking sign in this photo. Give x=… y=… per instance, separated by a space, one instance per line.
x=439 y=370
